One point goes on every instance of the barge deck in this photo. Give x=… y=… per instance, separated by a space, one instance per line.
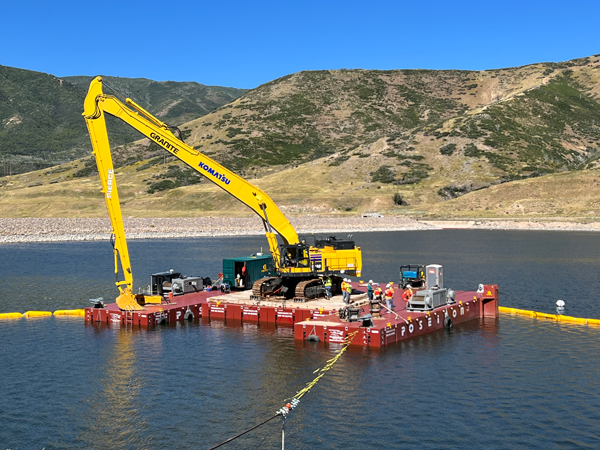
x=313 y=320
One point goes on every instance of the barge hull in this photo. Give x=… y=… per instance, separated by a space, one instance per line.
x=317 y=320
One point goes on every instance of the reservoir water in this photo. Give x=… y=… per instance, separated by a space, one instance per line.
x=510 y=383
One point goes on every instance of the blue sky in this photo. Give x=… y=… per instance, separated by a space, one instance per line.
x=245 y=44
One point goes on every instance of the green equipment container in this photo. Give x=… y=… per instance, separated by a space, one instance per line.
x=257 y=267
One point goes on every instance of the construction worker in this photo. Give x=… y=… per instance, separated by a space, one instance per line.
x=408 y=293
x=348 y=290
x=344 y=293
x=389 y=294
x=328 y=287
x=378 y=293
x=370 y=290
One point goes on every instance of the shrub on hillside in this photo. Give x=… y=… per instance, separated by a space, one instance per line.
x=472 y=150
x=399 y=200
x=447 y=149
x=85 y=172
x=384 y=175
x=163 y=185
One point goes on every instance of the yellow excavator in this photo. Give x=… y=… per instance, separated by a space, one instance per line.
x=298 y=266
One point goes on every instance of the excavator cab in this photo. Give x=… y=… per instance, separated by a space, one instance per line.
x=295 y=255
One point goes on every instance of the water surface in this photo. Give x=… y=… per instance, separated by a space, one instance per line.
x=508 y=383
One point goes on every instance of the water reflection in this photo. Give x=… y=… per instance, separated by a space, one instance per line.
x=113 y=417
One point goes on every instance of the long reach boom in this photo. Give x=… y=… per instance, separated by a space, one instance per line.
x=97 y=104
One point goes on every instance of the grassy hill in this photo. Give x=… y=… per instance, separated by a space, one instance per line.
x=40 y=115
x=420 y=142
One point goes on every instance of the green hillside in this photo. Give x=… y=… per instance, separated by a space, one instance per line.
x=404 y=141
x=40 y=114
x=173 y=102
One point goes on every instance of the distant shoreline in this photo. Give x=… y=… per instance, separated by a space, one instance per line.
x=96 y=229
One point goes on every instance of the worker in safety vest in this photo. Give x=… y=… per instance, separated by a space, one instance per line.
x=378 y=293
x=327 y=284
x=345 y=294
x=408 y=293
x=348 y=290
x=389 y=294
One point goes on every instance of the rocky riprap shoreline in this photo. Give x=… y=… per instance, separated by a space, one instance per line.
x=57 y=230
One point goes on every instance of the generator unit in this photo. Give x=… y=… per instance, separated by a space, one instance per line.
x=413 y=274
x=160 y=283
x=171 y=282
x=180 y=286
x=435 y=295
x=427 y=300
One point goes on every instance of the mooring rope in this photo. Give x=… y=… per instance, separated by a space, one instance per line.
x=294 y=401
x=393 y=312
x=328 y=366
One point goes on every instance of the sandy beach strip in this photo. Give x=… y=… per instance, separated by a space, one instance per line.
x=92 y=229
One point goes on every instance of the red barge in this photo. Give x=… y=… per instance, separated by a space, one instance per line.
x=290 y=286
x=314 y=320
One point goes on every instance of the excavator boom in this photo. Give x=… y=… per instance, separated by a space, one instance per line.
x=299 y=260
x=97 y=103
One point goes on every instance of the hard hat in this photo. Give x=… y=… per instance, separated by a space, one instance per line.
x=370 y=281
x=389 y=285
x=377 y=284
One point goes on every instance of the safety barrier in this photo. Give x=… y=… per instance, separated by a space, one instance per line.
x=37 y=313
x=13 y=315
x=69 y=312
x=556 y=317
x=60 y=312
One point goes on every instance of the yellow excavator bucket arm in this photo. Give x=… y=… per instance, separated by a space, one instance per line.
x=97 y=103
x=97 y=128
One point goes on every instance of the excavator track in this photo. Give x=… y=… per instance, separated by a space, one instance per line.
x=301 y=294
x=257 y=286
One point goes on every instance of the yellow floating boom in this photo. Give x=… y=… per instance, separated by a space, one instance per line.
x=12 y=315
x=557 y=317
x=69 y=312
x=37 y=313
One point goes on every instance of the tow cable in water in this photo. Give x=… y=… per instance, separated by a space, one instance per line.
x=294 y=401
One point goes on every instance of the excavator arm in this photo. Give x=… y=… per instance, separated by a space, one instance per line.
x=330 y=257
x=97 y=103
x=95 y=106
x=97 y=128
